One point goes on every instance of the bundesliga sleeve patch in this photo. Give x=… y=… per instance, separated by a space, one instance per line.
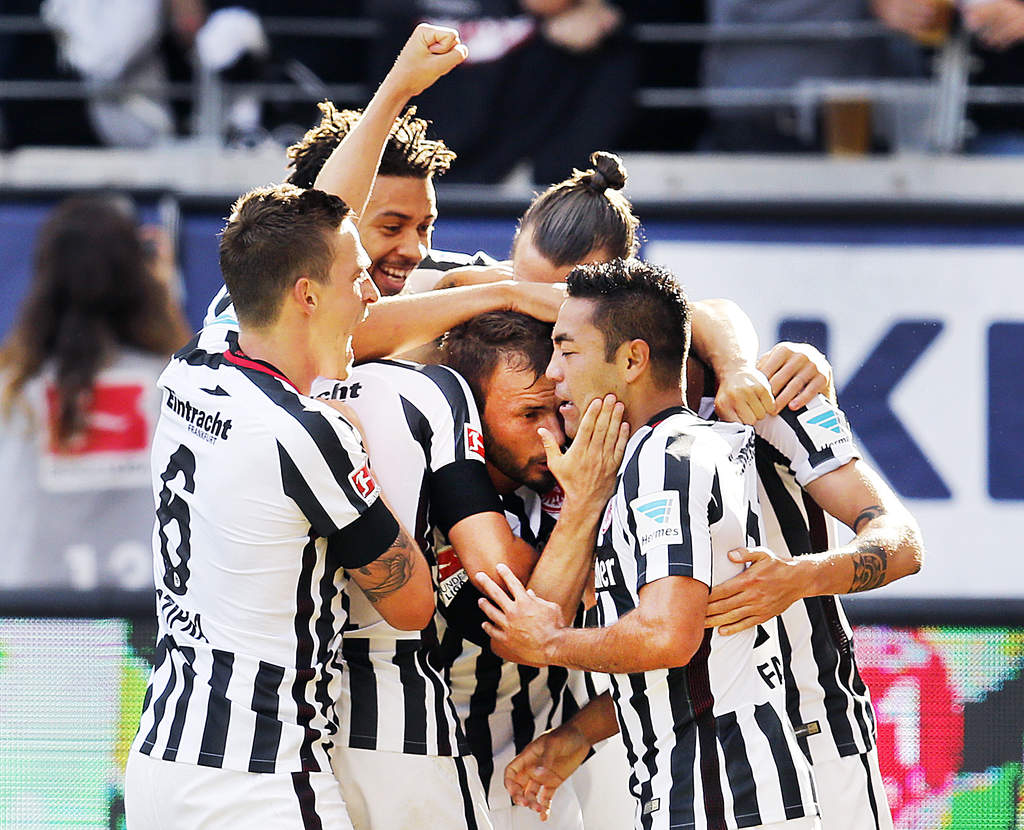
x=657 y=519
x=824 y=424
x=364 y=482
x=474 y=443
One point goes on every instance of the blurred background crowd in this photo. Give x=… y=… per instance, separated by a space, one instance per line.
x=547 y=82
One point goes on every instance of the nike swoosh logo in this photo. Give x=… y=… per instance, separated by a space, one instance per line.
x=217 y=390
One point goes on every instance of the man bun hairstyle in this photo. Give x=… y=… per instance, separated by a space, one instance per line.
x=585 y=213
x=608 y=172
x=274 y=236
x=636 y=300
x=408 y=152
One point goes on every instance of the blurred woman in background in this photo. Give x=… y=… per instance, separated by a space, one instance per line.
x=78 y=400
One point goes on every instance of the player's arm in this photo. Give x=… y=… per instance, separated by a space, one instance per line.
x=663 y=631
x=725 y=340
x=533 y=776
x=398 y=324
x=887 y=547
x=398 y=583
x=587 y=474
x=349 y=172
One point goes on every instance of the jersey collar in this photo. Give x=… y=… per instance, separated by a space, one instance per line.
x=236 y=356
x=665 y=413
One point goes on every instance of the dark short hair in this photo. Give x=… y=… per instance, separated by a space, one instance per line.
x=585 y=213
x=635 y=300
x=475 y=348
x=273 y=236
x=408 y=152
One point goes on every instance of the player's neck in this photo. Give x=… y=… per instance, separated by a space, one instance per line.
x=644 y=404
x=281 y=348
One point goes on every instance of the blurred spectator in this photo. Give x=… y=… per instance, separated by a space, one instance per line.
x=112 y=44
x=546 y=81
x=78 y=400
x=777 y=64
x=998 y=29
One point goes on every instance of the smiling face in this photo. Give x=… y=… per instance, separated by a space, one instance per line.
x=517 y=403
x=578 y=367
x=396 y=227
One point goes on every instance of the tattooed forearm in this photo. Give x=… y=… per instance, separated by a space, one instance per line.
x=866 y=515
x=869 y=567
x=389 y=571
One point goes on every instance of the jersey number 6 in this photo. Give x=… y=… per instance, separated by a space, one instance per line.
x=173 y=508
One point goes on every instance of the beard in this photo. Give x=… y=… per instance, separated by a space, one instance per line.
x=526 y=474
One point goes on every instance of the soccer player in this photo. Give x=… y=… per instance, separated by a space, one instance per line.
x=503 y=706
x=397 y=223
x=342 y=155
x=422 y=428
x=809 y=471
x=266 y=510
x=705 y=741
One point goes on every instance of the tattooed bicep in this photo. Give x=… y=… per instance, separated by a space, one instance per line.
x=389 y=571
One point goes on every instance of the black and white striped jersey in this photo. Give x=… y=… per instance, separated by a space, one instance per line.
x=503 y=706
x=708 y=743
x=827 y=701
x=263 y=496
x=436 y=263
x=422 y=432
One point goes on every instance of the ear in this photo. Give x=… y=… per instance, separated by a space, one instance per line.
x=636 y=357
x=305 y=295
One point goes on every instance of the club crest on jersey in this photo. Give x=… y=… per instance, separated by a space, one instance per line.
x=823 y=423
x=657 y=519
x=553 y=500
x=364 y=482
x=474 y=442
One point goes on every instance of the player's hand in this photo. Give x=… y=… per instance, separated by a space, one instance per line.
x=797 y=372
x=999 y=24
x=768 y=586
x=521 y=623
x=475 y=275
x=532 y=777
x=743 y=395
x=429 y=53
x=536 y=299
x=587 y=471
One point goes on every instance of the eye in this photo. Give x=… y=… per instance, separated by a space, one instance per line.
x=390 y=229
x=425 y=229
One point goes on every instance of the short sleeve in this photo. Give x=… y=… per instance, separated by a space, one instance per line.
x=325 y=470
x=668 y=510
x=816 y=439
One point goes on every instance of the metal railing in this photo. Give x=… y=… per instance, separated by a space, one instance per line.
x=941 y=101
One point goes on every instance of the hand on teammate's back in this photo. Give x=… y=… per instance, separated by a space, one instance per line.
x=768 y=586
x=429 y=53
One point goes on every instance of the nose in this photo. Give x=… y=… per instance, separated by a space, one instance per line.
x=554 y=370
x=368 y=290
x=411 y=246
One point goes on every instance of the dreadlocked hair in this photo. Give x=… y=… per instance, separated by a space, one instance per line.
x=408 y=151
